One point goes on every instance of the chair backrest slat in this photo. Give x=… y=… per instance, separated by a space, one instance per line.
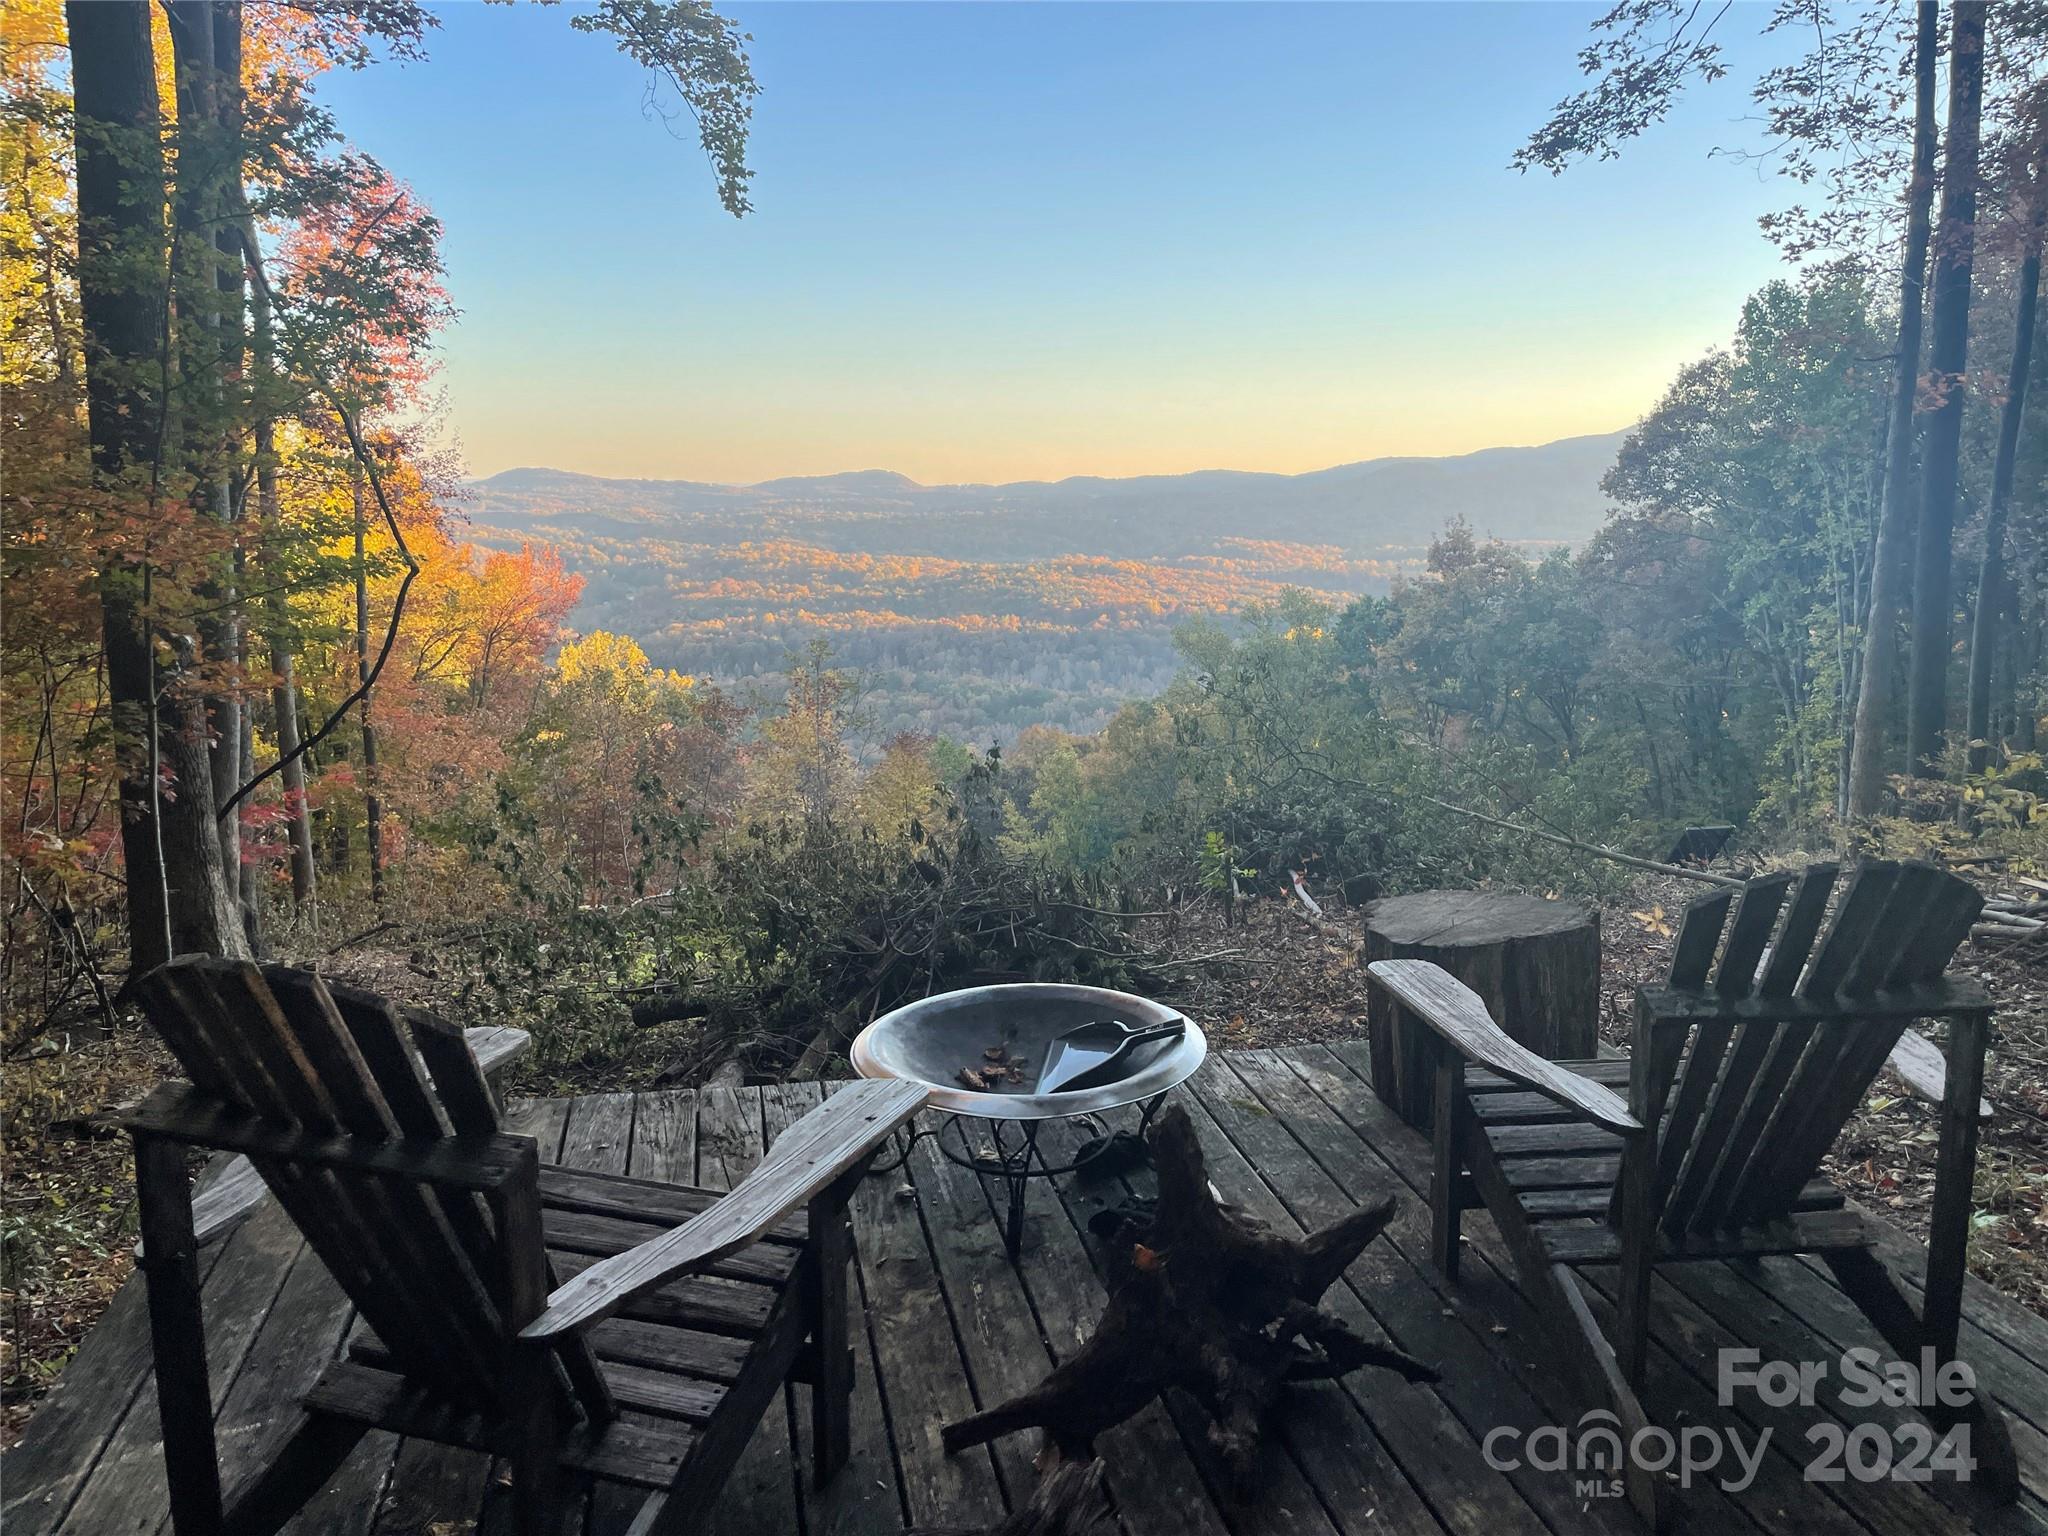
x=1803 y=916
x=387 y=1051
x=1659 y=1051
x=459 y=1298
x=1749 y=933
x=1916 y=888
x=1927 y=950
x=1758 y=1101
x=464 y=1091
x=1842 y=1059
x=1677 y=1140
x=1856 y=918
x=424 y=1266
x=1750 y=1043
x=1699 y=931
x=456 y=1337
x=185 y=1004
x=381 y=1040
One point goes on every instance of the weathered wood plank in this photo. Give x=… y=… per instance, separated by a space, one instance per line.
x=1607 y=1071
x=299 y=1335
x=1749 y=934
x=1699 y=932
x=1153 y=1480
x=126 y=1492
x=599 y=1139
x=992 y=1318
x=41 y=1475
x=1491 y=1285
x=826 y=1144
x=1453 y=1010
x=865 y=1498
x=924 y=1378
x=1324 y=1469
x=1923 y=1070
x=759 y=1498
x=1321 y=1165
x=1792 y=1315
x=1794 y=943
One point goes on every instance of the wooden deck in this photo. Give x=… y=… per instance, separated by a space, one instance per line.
x=1294 y=1135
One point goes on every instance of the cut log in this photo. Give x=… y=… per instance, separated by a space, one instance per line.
x=1208 y=1299
x=1534 y=963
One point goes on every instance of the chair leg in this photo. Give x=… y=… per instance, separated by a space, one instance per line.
x=177 y=1331
x=827 y=1300
x=1869 y=1282
x=1638 y=1256
x=1453 y=1110
x=300 y=1469
x=536 y=1441
x=1595 y=1361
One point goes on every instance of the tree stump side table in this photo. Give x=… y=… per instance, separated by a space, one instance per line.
x=1534 y=963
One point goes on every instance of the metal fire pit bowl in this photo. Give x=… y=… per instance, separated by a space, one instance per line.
x=929 y=1042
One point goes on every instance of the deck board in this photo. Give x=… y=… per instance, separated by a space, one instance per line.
x=948 y=1324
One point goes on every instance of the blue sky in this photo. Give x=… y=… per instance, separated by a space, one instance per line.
x=999 y=241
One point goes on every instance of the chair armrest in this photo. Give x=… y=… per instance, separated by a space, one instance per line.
x=497 y=1047
x=827 y=1144
x=1454 y=1012
x=1924 y=1070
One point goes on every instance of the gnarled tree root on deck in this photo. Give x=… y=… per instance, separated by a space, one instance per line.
x=1208 y=1299
x=1068 y=1502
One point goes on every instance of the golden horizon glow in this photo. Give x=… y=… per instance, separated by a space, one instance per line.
x=731 y=442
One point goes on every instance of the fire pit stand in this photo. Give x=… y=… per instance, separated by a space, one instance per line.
x=1012 y=1161
x=931 y=1041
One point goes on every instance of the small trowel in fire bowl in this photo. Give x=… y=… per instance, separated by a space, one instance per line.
x=1098 y=1053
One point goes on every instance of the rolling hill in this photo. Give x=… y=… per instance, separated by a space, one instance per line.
x=980 y=609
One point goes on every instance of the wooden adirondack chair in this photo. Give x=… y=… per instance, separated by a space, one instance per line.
x=1742 y=1076
x=566 y=1321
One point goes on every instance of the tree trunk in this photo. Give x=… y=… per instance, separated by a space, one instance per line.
x=373 y=809
x=1993 y=581
x=227 y=241
x=178 y=898
x=2026 y=701
x=1948 y=355
x=284 y=698
x=1890 y=576
x=208 y=354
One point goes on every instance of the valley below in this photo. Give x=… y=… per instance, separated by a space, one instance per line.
x=975 y=611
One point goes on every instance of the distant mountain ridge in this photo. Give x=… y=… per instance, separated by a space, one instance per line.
x=977 y=610
x=1548 y=492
